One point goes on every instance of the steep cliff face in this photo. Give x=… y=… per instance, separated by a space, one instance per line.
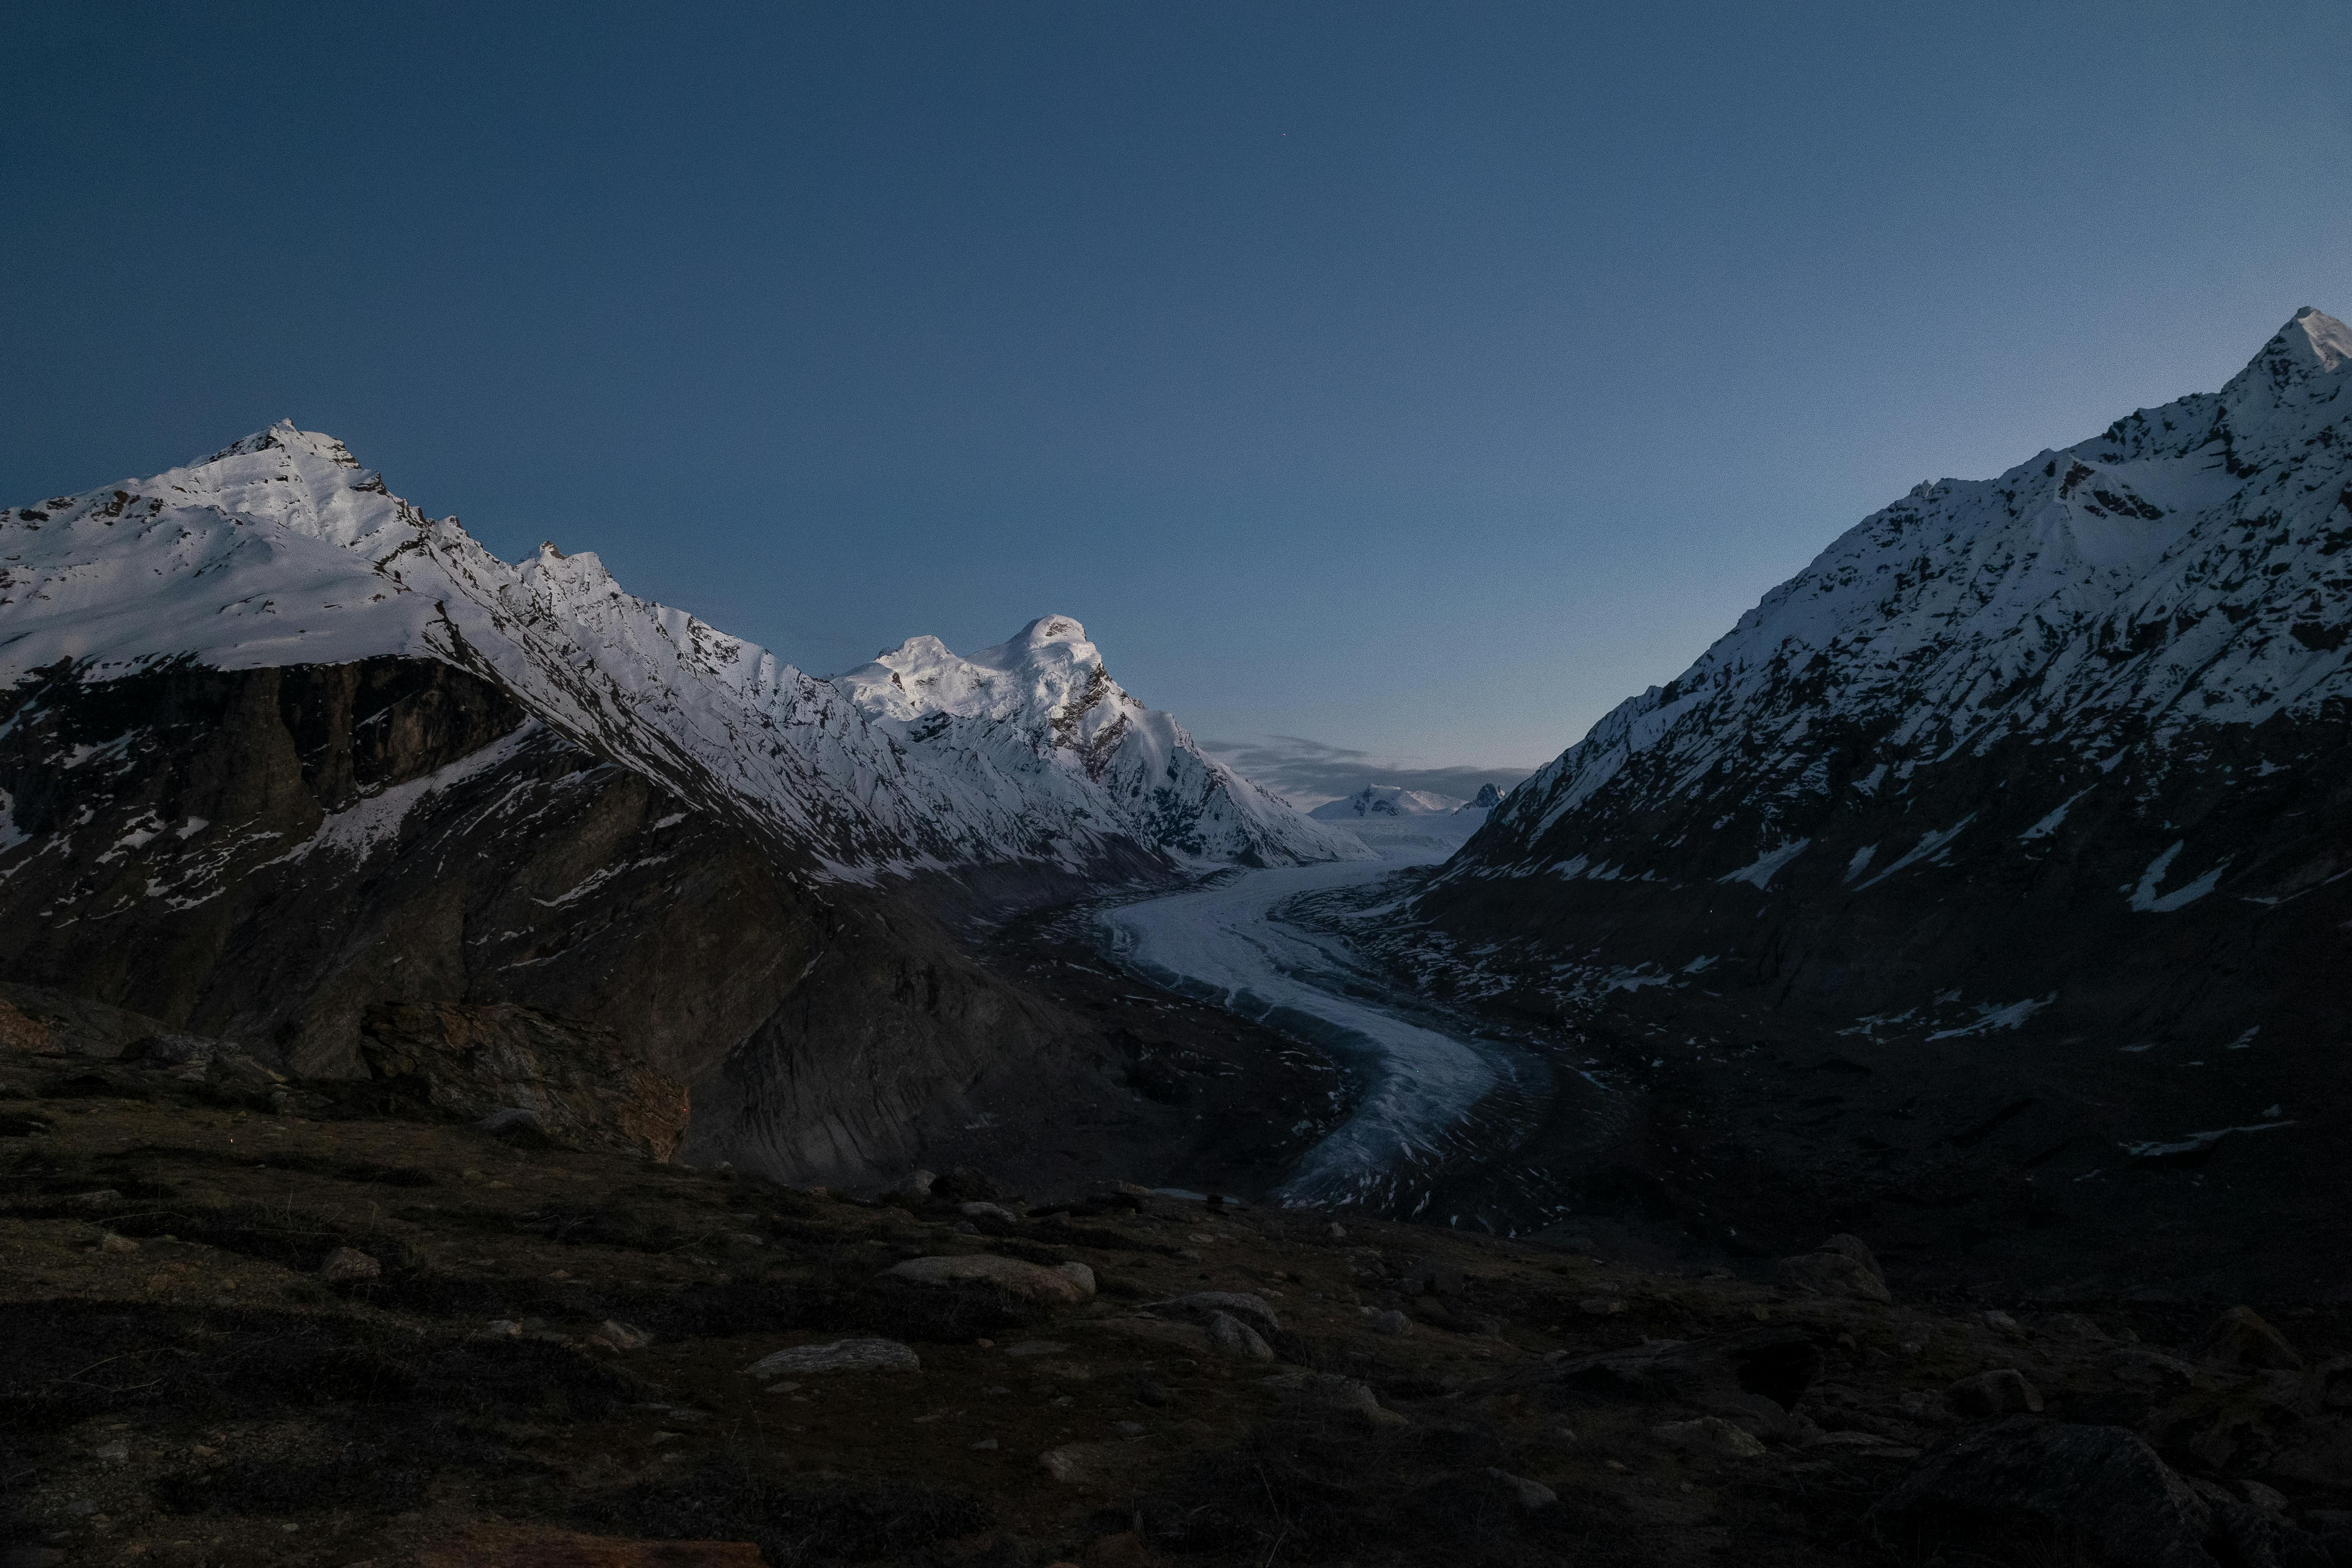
x=278 y=856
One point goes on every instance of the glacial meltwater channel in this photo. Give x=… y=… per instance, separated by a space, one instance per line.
x=1432 y=1101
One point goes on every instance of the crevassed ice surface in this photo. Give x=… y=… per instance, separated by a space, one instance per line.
x=282 y=549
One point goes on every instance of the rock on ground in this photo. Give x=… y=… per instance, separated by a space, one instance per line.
x=2101 y=1483
x=1532 y=1495
x=1201 y=1306
x=1841 y=1267
x=1065 y=1286
x=349 y=1263
x=841 y=1356
x=1237 y=1339
x=2240 y=1338
x=2002 y=1392
x=1711 y=1436
x=1328 y=1391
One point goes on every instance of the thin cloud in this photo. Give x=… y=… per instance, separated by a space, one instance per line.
x=1312 y=772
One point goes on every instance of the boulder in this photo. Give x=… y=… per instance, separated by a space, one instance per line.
x=1086 y=1464
x=1237 y=1339
x=965 y=1185
x=2102 y=1484
x=2241 y=1339
x=623 y=1336
x=1201 y=1305
x=1431 y=1276
x=916 y=1185
x=2002 y=1392
x=978 y=1210
x=1386 y=1321
x=1066 y=1285
x=1329 y=1392
x=841 y=1356
x=172 y=1050
x=1842 y=1266
x=347 y=1263
x=1710 y=1436
x=1437 y=1311
x=515 y=1123
x=1754 y=1378
x=1850 y=1245
x=1532 y=1495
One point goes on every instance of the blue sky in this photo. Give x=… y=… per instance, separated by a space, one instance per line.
x=1414 y=381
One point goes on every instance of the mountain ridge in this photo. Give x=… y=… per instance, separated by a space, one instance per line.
x=2007 y=840
x=281 y=549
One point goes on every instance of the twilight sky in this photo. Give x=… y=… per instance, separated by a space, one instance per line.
x=1386 y=386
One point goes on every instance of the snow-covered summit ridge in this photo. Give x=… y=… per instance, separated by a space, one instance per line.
x=1041 y=705
x=283 y=549
x=2179 y=571
x=1387 y=800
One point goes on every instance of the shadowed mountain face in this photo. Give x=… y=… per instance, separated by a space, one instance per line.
x=2026 y=801
x=292 y=858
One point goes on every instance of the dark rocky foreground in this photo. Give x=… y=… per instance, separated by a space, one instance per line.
x=254 y=1320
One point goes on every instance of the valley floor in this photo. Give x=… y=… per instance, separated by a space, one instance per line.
x=1426 y=1098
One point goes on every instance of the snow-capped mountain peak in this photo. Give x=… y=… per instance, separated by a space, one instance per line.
x=1042 y=706
x=1034 y=671
x=2176 y=573
x=282 y=549
x=1387 y=800
x=2325 y=341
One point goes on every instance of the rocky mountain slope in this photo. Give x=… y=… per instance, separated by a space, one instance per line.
x=283 y=761
x=2026 y=799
